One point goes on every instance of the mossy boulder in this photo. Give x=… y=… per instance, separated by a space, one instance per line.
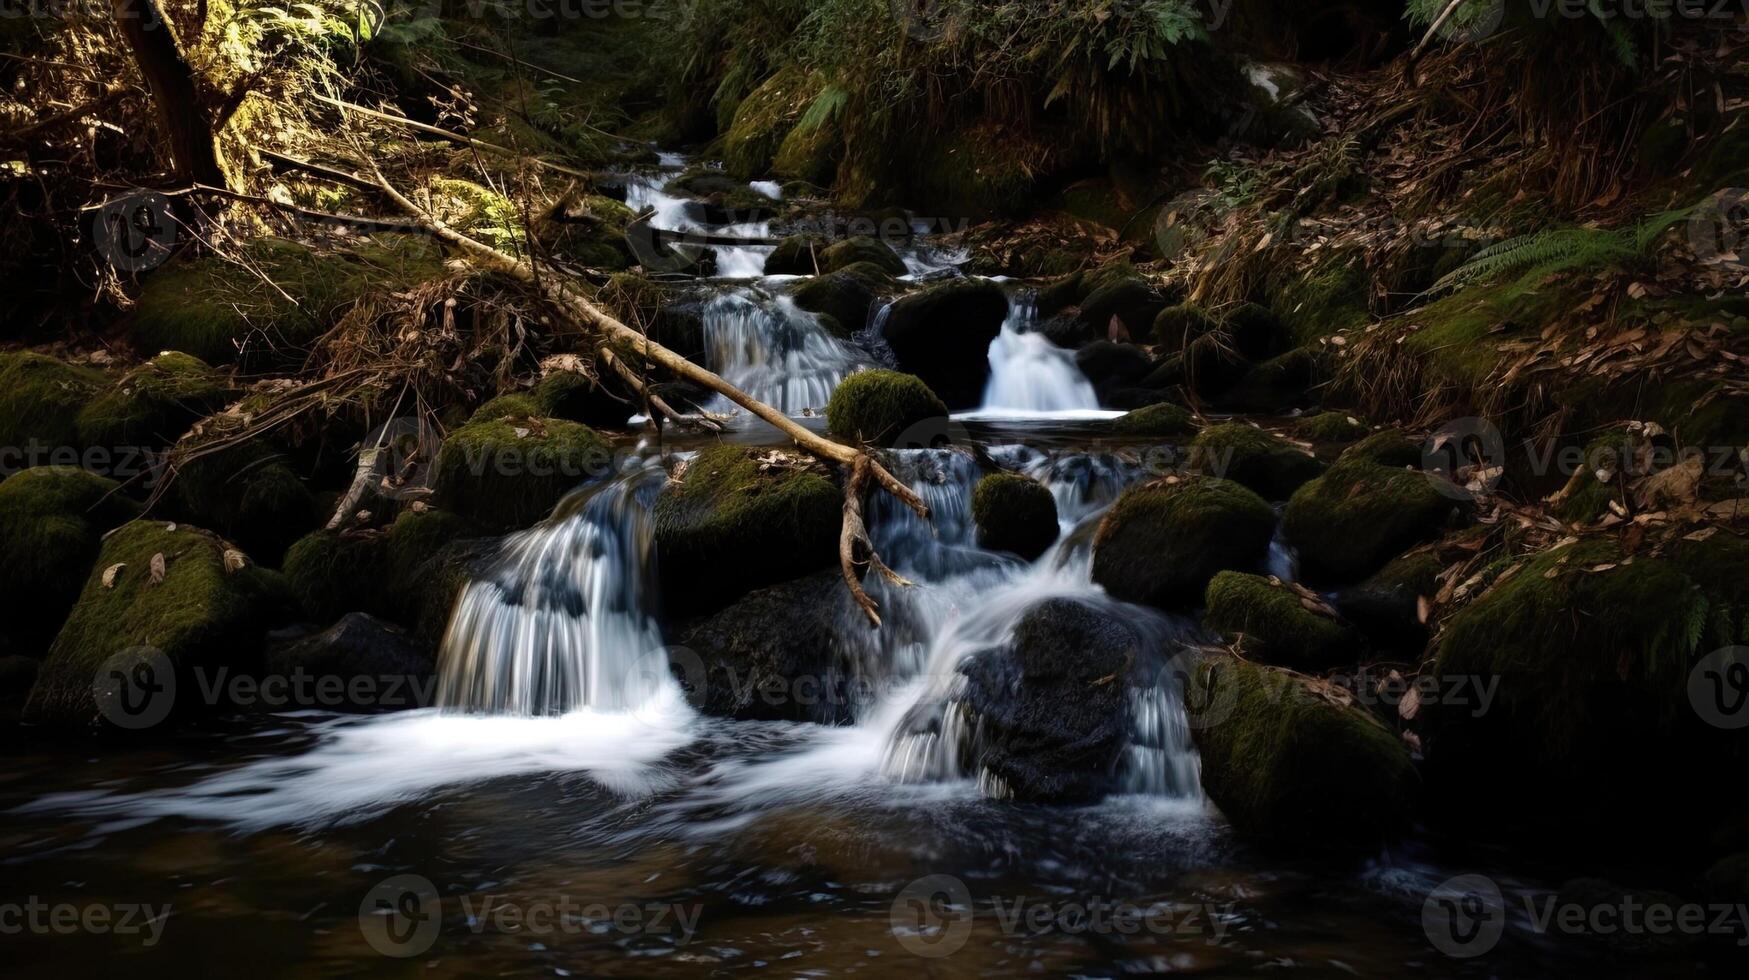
x=1245 y=454
x=1598 y=657
x=507 y=469
x=1386 y=447
x=1276 y=624
x=587 y=229
x=154 y=404
x=569 y=396
x=1285 y=381
x=797 y=255
x=51 y=521
x=1292 y=762
x=942 y=334
x=845 y=297
x=1325 y=428
x=221 y=313
x=1359 y=515
x=207 y=610
x=1162 y=542
x=878 y=407
x=1253 y=330
x=862 y=249
x=1209 y=366
x=1163 y=421
x=763 y=120
x=735 y=519
x=1014 y=513
x=810 y=154
x=40 y=397
x=1133 y=302
x=1176 y=326
x=250 y=494
x=1388 y=607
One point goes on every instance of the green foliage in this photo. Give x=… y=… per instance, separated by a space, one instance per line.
x=877 y=407
x=1541 y=253
x=1014 y=513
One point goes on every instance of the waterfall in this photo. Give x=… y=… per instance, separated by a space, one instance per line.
x=1029 y=375
x=677 y=214
x=565 y=619
x=778 y=353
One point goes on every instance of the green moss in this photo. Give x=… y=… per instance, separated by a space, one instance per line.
x=154 y=404
x=39 y=399
x=1162 y=542
x=1291 y=762
x=1459 y=337
x=810 y=153
x=222 y=313
x=51 y=519
x=1359 y=515
x=1386 y=447
x=1248 y=455
x=201 y=614
x=1014 y=513
x=730 y=510
x=843 y=296
x=331 y=574
x=1164 y=420
x=409 y=574
x=589 y=230
x=1277 y=628
x=797 y=255
x=1330 y=427
x=1176 y=326
x=250 y=494
x=763 y=121
x=1331 y=297
x=878 y=407
x=1586 y=498
x=508 y=468
x=1282 y=382
x=861 y=249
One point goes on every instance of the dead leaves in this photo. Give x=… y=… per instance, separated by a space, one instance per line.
x=158 y=568
x=111 y=573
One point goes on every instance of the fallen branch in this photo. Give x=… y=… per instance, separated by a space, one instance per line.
x=853 y=536
x=453 y=136
x=583 y=312
x=657 y=402
x=1451 y=7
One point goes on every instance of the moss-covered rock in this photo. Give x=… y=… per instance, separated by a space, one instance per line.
x=1253 y=330
x=508 y=468
x=250 y=494
x=797 y=255
x=1276 y=625
x=762 y=122
x=1164 y=420
x=878 y=407
x=1272 y=467
x=860 y=249
x=734 y=521
x=1014 y=513
x=51 y=520
x=570 y=396
x=942 y=334
x=587 y=229
x=1285 y=381
x=220 y=313
x=1161 y=543
x=39 y=399
x=1388 y=607
x=154 y=404
x=1176 y=326
x=1349 y=522
x=1133 y=302
x=1292 y=762
x=810 y=154
x=1326 y=428
x=1386 y=447
x=845 y=297
x=206 y=612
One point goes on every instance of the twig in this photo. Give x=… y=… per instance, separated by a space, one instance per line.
x=1451 y=7
x=701 y=420
x=453 y=137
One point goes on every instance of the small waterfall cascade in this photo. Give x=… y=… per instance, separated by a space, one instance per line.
x=678 y=214
x=773 y=350
x=1029 y=375
x=565 y=620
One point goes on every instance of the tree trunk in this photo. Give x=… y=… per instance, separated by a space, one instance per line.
x=194 y=156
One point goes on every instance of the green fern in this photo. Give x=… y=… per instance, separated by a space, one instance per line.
x=825 y=107
x=1559 y=249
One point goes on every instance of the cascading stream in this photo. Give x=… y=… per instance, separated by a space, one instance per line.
x=1029 y=375
x=773 y=350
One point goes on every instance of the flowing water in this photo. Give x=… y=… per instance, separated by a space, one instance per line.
x=561 y=810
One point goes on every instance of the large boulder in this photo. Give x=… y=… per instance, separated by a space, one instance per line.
x=52 y=520
x=1292 y=762
x=40 y=398
x=1132 y=302
x=1330 y=428
x=1245 y=454
x=373 y=665
x=509 y=470
x=1386 y=447
x=773 y=654
x=863 y=249
x=879 y=407
x=1050 y=709
x=942 y=334
x=797 y=255
x=249 y=493
x=1285 y=381
x=154 y=404
x=1162 y=542
x=1162 y=420
x=1277 y=624
x=1109 y=365
x=1176 y=326
x=845 y=297
x=1014 y=513
x=159 y=597
x=735 y=519
x=1390 y=607
x=1359 y=515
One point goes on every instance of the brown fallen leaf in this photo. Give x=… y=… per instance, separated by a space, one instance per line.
x=235 y=561
x=158 y=568
x=110 y=573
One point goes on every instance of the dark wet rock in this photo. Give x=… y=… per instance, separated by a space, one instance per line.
x=843 y=296
x=797 y=255
x=252 y=494
x=374 y=665
x=1132 y=302
x=862 y=249
x=1105 y=363
x=942 y=334
x=1176 y=326
x=1275 y=626
x=1285 y=381
x=1161 y=543
x=1014 y=513
x=1387 y=607
x=1253 y=331
x=1359 y=515
x=1066 y=330
x=1273 y=467
x=771 y=655
x=1051 y=708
